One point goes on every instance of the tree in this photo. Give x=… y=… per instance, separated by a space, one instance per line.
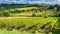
x=50 y=7
x=1 y=14
x=6 y=14
x=33 y=15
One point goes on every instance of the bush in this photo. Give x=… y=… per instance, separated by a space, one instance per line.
x=1 y=14
x=33 y=15
x=6 y=14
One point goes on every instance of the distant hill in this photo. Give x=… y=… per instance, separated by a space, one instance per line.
x=12 y=6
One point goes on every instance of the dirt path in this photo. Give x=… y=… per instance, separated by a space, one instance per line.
x=18 y=17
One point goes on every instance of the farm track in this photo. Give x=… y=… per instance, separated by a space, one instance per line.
x=18 y=17
x=24 y=17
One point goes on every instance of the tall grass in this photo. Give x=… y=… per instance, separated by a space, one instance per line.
x=18 y=22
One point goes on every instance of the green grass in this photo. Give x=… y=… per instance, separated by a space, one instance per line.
x=38 y=13
x=28 y=22
x=4 y=31
x=28 y=8
x=57 y=24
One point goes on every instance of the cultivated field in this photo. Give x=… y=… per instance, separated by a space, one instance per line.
x=15 y=24
x=29 y=19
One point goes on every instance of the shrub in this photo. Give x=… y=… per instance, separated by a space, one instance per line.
x=1 y=14
x=33 y=15
x=6 y=14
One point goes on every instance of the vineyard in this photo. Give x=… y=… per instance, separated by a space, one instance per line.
x=29 y=24
x=29 y=19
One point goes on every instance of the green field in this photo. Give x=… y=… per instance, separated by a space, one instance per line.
x=4 y=31
x=28 y=8
x=29 y=19
x=24 y=22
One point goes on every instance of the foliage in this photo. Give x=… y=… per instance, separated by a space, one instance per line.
x=33 y=15
x=1 y=14
x=6 y=14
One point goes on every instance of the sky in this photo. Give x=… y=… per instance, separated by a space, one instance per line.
x=29 y=1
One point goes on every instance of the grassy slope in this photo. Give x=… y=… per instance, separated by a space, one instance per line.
x=28 y=8
x=27 y=21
